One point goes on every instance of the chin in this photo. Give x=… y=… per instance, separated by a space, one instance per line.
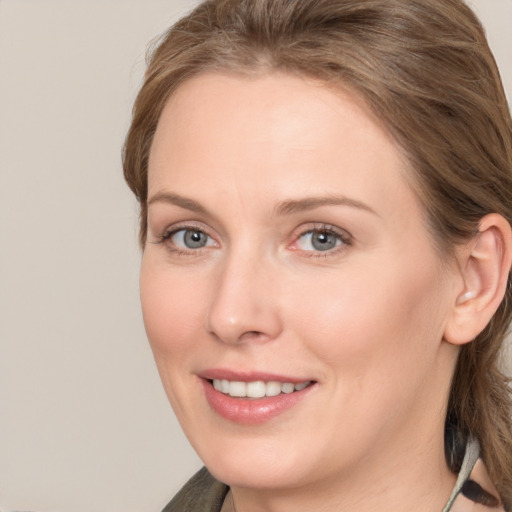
x=257 y=463
x=243 y=474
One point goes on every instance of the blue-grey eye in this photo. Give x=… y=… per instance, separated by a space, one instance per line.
x=191 y=239
x=319 y=241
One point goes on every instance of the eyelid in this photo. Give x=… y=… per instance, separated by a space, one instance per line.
x=345 y=237
x=165 y=235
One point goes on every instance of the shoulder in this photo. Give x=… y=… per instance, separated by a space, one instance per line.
x=202 y=493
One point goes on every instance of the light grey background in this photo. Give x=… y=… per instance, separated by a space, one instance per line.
x=84 y=423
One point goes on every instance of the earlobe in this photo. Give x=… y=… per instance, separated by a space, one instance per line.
x=485 y=266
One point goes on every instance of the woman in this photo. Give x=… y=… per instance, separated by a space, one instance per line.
x=325 y=218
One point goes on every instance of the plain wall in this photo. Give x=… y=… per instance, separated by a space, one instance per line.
x=84 y=423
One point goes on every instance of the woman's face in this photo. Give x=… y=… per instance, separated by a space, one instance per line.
x=286 y=251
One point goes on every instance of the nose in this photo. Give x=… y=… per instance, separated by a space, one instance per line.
x=244 y=306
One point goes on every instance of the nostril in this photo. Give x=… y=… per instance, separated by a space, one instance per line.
x=252 y=335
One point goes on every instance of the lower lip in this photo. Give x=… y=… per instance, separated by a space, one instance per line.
x=251 y=411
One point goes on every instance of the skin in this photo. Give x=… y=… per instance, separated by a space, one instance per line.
x=364 y=320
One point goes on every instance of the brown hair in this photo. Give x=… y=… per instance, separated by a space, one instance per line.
x=425 y=69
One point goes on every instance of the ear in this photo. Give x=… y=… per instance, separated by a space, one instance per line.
x=485 y=266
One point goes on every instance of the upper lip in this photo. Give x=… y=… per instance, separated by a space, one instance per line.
x=248 y=376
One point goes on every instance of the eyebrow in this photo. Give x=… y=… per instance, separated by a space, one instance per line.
x=183 y=202
x=285 y=208
x=310 y=203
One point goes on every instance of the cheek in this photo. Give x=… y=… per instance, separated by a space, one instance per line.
x=377 y=337
x=365 y=317
x=172 y=308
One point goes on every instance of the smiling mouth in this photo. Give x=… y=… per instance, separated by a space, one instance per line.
x=257 y=389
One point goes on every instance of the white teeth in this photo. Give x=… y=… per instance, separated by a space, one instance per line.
x=273 y=388
x=238 y=389
x=287 y=387
x=256 y=389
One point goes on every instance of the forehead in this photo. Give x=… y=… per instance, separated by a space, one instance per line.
x=273 y=136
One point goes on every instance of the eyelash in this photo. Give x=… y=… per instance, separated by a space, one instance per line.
x=343 y=236
x=165 y=237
